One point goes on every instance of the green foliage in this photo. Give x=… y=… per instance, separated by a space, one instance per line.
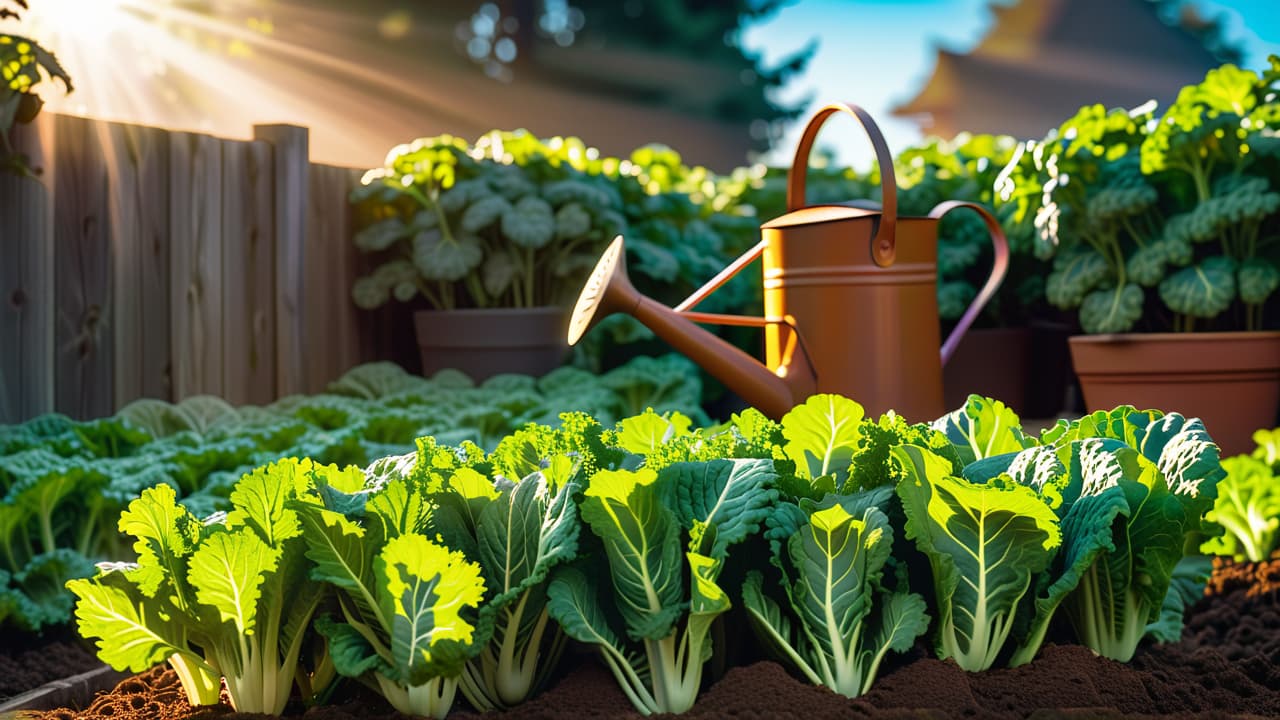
x=983 y=428
x=1159 y=221
x=985 y=544
x=520 y=530
x=656 y=526
x=24 y=65
x=228 y=597
x=1247 y=511
x=510 y=222
x=1157 y=476
x=406 y=603
x=451 y=567
x=1126 y=489
x=842 y=617
x=61 y=482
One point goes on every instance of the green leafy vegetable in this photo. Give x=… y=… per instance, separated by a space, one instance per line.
x=985 y=544
x=406 y=603
x=1247 y=510
x=641 y=516
x=842 y=620
x=228 y=597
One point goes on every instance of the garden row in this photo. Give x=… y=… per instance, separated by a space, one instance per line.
x=1151 y=221
x=845 y=538
x=64 y=483
x=1119 y=221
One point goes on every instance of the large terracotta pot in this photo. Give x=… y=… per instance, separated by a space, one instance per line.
x=1231 y=381
x=992 y=362
x=484 y=343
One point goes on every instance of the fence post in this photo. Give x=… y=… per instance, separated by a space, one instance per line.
x=291 y=146
x=26 y=279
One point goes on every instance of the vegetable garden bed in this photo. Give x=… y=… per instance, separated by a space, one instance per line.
x=1227 y=665
x=1073 y=513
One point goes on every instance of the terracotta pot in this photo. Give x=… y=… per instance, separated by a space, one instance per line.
x=484 y=343
x=993 y=362
x=1231 y=381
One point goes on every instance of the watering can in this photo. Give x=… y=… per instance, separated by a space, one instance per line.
x=850 y=300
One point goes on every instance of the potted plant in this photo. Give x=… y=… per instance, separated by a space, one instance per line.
x=492 y=240
x=1162 y=232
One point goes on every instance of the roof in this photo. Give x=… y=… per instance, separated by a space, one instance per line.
x=1049 y=57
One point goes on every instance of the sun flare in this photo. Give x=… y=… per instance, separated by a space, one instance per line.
x=220 y=66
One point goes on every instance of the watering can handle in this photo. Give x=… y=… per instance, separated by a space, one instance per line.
x=998 y=269
x=882 y=245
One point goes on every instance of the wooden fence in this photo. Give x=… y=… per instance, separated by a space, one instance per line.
x=149 y=263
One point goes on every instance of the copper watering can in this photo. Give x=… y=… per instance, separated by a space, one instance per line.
x=850 y=300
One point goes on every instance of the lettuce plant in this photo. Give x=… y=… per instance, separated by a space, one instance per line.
x=841 y=616
x=643 y=518
x=985 y=543
x=405 y=601
x=518 y=531
x=1247 y=509
x=1167 y=486
x=228 y=597
x=1129 y=488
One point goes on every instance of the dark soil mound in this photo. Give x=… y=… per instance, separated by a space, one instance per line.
x=26 y=664
x=1227 y=665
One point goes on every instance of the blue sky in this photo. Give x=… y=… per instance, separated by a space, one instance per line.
x=879 y=52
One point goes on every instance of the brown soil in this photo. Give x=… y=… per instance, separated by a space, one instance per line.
x=26 y=664
x=1227 y=665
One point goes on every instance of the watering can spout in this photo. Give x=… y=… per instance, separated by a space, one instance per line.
x=609 y=291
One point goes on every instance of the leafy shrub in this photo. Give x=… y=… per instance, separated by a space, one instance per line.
x=1160 y=221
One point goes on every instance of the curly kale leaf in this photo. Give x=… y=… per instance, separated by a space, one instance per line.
x=1074 y=275
x=530 y=223
x=1203 y=290
x=1257 y=278
x=441 y=258
x=1112 y=310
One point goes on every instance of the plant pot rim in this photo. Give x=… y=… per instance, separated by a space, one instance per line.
x=1173 y=337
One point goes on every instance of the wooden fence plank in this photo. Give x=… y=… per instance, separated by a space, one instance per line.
x=331 y=326
x=150 y=263
x=248 y=232
x=195 y=258
x=83 y=338
x=138 y=171
x=291 y=152
x=26 y=279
